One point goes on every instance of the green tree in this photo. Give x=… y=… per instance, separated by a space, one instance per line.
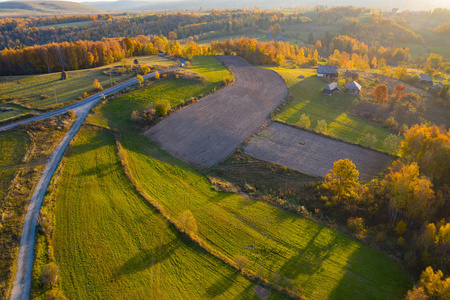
x=304 y=121
x=162 y=107
x=187 y=222
x=369 y=140
x=343 y=179
x=392 y=144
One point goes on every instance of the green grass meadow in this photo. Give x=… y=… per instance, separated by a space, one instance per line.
x=13 y=145
x=308 y=99
x=111 y=244
x=38 y=91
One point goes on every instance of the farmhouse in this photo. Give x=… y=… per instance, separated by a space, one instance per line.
x=426 y=79
x=331 y=89
x=437 y=87
x=328 y=71
x=353 y=88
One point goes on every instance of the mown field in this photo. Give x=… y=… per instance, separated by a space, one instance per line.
x=321 y=262
x=38 y=91
x=307 y=98
x=111 y=244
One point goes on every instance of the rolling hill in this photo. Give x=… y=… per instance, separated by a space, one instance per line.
x=38 y=8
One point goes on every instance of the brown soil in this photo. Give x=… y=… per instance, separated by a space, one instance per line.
x=213 y=128
x=311 y=153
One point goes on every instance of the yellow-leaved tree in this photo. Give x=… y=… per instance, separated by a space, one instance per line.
x=343 y=180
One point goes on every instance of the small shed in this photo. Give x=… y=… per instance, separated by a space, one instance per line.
x=328 y=71
x=135 y=61
x=426 y=79
x=437 y=87
x=353 y=88
x=331 y=89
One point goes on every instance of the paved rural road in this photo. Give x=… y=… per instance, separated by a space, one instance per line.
x=22 y=281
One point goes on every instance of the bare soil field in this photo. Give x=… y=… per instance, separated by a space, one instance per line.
x=212 y=129
x=311 y=153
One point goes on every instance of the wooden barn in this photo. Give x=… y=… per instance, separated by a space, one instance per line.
x=353 y=88
x=328 y=71
x=426 y=79
x=331 y=89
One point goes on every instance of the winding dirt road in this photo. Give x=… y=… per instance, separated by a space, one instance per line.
x=213 y=128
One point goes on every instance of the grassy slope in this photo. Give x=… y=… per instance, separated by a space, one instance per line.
x=111 y=244
x=17 y=111
x=13 y=145
x=27 y=8
x=176 y=91
x=28 y=89
x=308 y=99
x=322 y=262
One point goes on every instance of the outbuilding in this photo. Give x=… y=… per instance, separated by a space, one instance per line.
x=328 y=71
x=331 y=89
x=353 y=88
x=437 y=87
x=426 y=79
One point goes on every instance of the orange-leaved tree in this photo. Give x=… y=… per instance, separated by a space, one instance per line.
x=381 y=93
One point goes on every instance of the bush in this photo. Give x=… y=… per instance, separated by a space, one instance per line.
x=54 y=295
x=401 y=227
x=401 y=242
x=228 y=80
x=162 y=107
x=390 y=123
x=241 y=261
x=355 y=224
x=50 y=274
x=322 y=126
x=187 y=222
x=304 y=121
x=392 y=144
x=369 y=140
x=97 y=85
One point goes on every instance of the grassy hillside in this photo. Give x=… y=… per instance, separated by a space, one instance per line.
x=321 y=262
x=309 y=99
x=110 y=244
x=35 y=8
x=176 y=91
x=37 y=91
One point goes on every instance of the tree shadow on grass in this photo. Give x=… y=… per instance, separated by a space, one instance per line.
x=221 y=285
x=145 y=259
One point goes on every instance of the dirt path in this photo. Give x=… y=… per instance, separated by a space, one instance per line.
x=311 y=153
x=213 y=128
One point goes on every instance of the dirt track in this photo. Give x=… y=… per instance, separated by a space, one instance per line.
x=311 y=153
x=211 y=129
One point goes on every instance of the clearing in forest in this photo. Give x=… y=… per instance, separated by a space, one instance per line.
x=312 y=153
x=211 y=129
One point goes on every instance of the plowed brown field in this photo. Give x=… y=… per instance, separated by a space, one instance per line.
x=213 y=128
x=311 y=153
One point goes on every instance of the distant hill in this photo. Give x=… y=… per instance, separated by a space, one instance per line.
x=132 y=5
x=38 y=8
